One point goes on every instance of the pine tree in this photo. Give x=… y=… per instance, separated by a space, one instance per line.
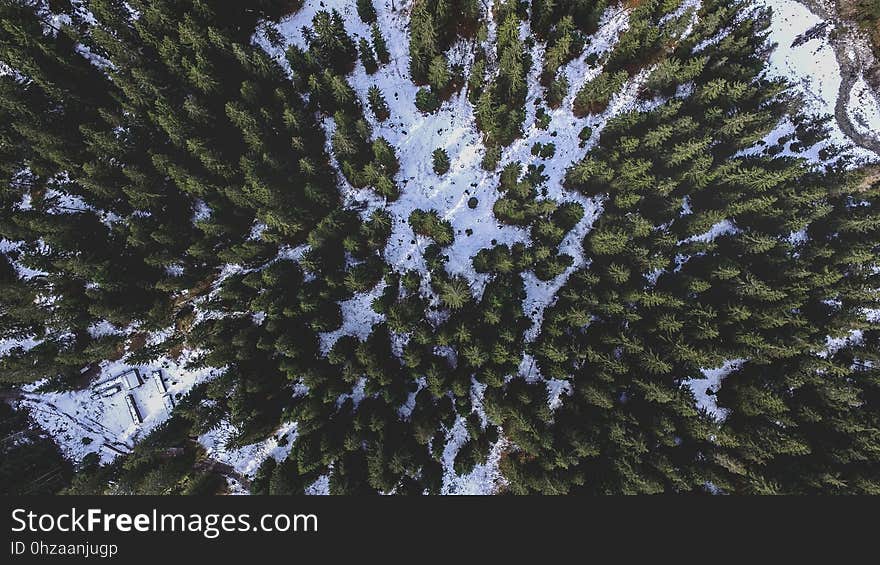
x=377 y=102
x=427 y=101
x=367 y=57
x=438 y=74
x=366 y=11
x=441 y=161
x=331 y=44
x=379 y=45
x=455 y=293
x=430 y=224
x=423 y=41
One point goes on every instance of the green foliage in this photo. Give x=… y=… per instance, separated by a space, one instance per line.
x=544 y=150
x=434 y=25
x=594 y=96
x=429 y=224
x=427 y=101
x=367 y=57
x=440 y=160
x=499 y=107
x=377 y=103
x=31 y=463
x=130 y=188
x=491 y=158
x=329 y=42
x=585 y=134
x=366 y=11
x=379 y=45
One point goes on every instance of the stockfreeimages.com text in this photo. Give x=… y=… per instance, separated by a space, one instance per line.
x=209 y=525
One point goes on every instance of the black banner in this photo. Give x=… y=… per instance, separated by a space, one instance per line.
x=274 y=529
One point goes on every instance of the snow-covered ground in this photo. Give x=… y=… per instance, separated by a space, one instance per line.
x=485 y=478
x=416 y=135
x=810 y=64
x=863 y=108
x=704 y=389
x=246 y=460
x=564 y=131
x=84 y=421
x=358 y=318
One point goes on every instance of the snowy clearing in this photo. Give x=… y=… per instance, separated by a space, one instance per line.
x=98 y=419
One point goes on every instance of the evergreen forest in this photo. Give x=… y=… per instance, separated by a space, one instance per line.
x=584 y=246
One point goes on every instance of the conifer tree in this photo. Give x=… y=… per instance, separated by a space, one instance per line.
x=441 y=161
x=366 y=11
x=377 y=102
x=379 y=45
x=367 y=57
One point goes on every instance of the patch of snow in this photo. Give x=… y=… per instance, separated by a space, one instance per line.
x=358 y=318
x=484 y=478
x=174 y=270
x=705 y=389
x=811 y=66
x=863 y=108
x=247 y=459
x=83 y=422
x=724 y=227
x=529 y=370
x=24 y=272
x=26 y=344
x=556 y=388
x=102 y=329
x=201 y=211
x=798 y=237
x=321 y=487
x=356 y=395
x=835 y=344
x=406 y=410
